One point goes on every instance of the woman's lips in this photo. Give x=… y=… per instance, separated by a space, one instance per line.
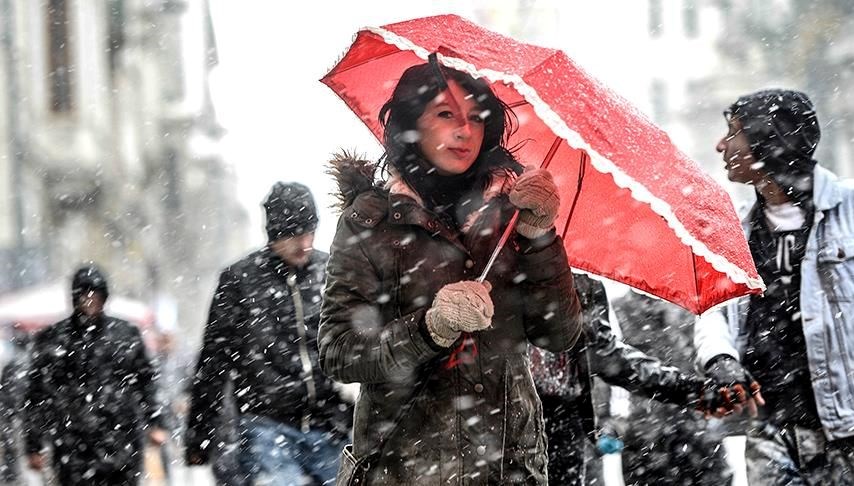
x=460 y=152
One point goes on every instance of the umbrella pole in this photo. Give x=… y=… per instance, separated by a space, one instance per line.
x=499 y=246
x=512 y=224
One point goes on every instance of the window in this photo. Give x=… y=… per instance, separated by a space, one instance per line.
x=116 y=38
x=690 y=19
x=658 y=97
x=59 y=56
x=655 y=18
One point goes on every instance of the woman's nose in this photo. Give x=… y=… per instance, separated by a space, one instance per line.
x=721 y=146
x=463 y=131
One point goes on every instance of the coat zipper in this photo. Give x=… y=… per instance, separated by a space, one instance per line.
x=307 y=370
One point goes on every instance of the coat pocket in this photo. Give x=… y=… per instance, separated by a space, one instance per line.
x=836 y=269
x=352 y=471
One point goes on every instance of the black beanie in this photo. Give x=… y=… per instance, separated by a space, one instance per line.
x=783 y=131
x=88 y=278
x=290 y=211
x=781 y=126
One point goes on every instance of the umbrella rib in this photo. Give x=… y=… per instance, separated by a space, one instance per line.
x=582 y=168
x=696 y=282
x=354 y=66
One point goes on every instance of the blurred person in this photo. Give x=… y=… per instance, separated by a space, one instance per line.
x=572 y=404
x=667 y=443
x=91 y=393
x=260 y=342
x=797 y=339
x=442 y=358
x=12 y=388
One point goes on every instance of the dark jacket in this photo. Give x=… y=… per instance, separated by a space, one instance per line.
x=601 y=353
x=13 y=387
x=478 y=419
x=255 y=338
x=91 y=391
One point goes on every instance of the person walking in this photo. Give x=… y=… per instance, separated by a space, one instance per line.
x=260 y=342
x=795 y=341
x=565 y=384
x=447 y=397
x=91 y=393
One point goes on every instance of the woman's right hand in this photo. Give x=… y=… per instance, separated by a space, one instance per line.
x=459 y=307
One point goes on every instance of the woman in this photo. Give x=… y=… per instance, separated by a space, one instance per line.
x=446 y=393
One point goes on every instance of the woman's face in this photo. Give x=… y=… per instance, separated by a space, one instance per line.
x=451 y=130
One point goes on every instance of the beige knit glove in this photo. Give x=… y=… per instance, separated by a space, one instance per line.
x=536 y=196
x=459 y=307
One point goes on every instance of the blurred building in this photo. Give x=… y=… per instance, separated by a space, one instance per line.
x=109 y=149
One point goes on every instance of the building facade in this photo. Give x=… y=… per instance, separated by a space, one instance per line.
x=109 y=150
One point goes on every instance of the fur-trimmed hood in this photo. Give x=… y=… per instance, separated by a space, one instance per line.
x=356 y=175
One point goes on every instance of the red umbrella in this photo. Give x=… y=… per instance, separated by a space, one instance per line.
x=634 y=209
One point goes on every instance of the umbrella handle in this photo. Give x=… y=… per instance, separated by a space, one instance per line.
x=499 y=246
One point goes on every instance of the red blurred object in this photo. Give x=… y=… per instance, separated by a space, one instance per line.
x=634 y=208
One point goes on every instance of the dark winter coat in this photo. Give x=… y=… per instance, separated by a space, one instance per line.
x=601 y=353
x=13 y=387
x=254 y=337
x=91 y=393
x=478 y=421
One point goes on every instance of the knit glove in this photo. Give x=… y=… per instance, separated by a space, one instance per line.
x=536 y=196
x=729 y=387
x=459 y=307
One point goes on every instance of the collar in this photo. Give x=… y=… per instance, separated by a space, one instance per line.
x=826 y=191
x=501 y=183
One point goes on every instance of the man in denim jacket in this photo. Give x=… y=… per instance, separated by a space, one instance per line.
x=797 y=339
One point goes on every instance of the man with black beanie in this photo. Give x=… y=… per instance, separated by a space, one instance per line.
x=91 y=395
x=261 y=336
x=796 y=341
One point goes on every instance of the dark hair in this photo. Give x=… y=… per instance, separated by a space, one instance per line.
x=417 y=87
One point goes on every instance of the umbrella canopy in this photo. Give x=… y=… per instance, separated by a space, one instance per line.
x=37 y=307
x=634 y=208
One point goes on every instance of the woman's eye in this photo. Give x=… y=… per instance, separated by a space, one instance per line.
x=477 y=117
x=445 y=114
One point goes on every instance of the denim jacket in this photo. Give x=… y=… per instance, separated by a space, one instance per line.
x=827 y=307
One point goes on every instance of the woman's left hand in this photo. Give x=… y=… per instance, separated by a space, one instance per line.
x=536 y=196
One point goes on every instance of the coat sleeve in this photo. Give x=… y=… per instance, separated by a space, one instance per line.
x=213 y=368
x=38 y=401
x=713 y=337
x=552 y=311
x=356 y=345
x=621 y=364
